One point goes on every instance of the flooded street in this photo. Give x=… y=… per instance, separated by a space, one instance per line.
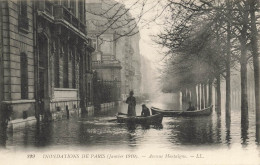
x=101 y=132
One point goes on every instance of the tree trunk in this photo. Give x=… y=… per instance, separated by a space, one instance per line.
x=210 y=93
x=243 y=72
x=243 y=63
x=218 y=95
x=228 y=59
x=199 y=97
x=188 y=95
x=256 y=58
x=205 y=95
x=183 y=96
x=194 y=96
x=202 y=97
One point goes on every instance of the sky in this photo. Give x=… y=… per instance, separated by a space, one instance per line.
x=148 y=48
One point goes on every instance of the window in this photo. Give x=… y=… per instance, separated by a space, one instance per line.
x=89 y=91
x=94 y=44
x=65 y=3
x=23 y=21
x=66 y=69
x=81 y=10
x=89 y=62
x=57 y=70
x=73 y=70
x=73 y=6
x=24 y=76
x=98 y=57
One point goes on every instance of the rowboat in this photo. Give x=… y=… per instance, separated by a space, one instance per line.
x=167 y=113
x=149 y=120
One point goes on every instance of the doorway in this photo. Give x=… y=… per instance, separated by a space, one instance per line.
x=42 y=90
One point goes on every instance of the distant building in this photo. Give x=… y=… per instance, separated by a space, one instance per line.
x=116 y=58
x=45 y=60
x=148 y=82
x=129 y=55
x=137 y=79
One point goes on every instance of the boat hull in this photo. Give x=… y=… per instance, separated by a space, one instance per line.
x=169 y=113
x=149 y=120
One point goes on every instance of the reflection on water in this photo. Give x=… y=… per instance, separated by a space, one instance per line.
x=3 y=136
x=99 y=132
x=257 y=134
x=218 y=129
x=228 y=137
x=244 y=131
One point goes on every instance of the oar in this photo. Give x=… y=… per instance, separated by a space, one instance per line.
x=112 y=120
x=119 y=113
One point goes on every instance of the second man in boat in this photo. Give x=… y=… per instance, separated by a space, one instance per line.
x=145 y=111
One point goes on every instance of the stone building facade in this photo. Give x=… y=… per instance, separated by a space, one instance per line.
x=120 y=54
x=107 y=71
x=129 y=55
x=45 y=58
x=104 y=60
x=137 y=65
x=17 y=93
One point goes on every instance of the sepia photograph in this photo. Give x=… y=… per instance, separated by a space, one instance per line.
x=130 y=82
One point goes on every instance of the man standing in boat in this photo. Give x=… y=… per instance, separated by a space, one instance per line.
x=131 y=104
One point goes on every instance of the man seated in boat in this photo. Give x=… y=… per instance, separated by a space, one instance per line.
x=191 y=107
x=131 y=104
x=145 y=111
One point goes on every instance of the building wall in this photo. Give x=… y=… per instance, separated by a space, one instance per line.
x=61 y=51
x=69 y=74
x=105 y=63
x=125 y=49
x=16 y=41
x=148 y=76
x=136 y=64
x=1 y=60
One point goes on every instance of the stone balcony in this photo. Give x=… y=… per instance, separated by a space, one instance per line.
x=54 y=12
x=61 y=12
x=106 y=64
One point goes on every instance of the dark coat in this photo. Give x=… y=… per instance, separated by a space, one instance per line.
x=131 y=106
x=145 y=111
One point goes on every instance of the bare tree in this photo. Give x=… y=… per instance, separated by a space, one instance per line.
x=254 y=6
x=116 y=16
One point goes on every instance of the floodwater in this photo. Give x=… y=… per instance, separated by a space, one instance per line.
x=175 y=133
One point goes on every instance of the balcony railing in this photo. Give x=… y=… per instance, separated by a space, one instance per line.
x=49 y=7
x=61 y=12
x=110 y=63
x=46 y=6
